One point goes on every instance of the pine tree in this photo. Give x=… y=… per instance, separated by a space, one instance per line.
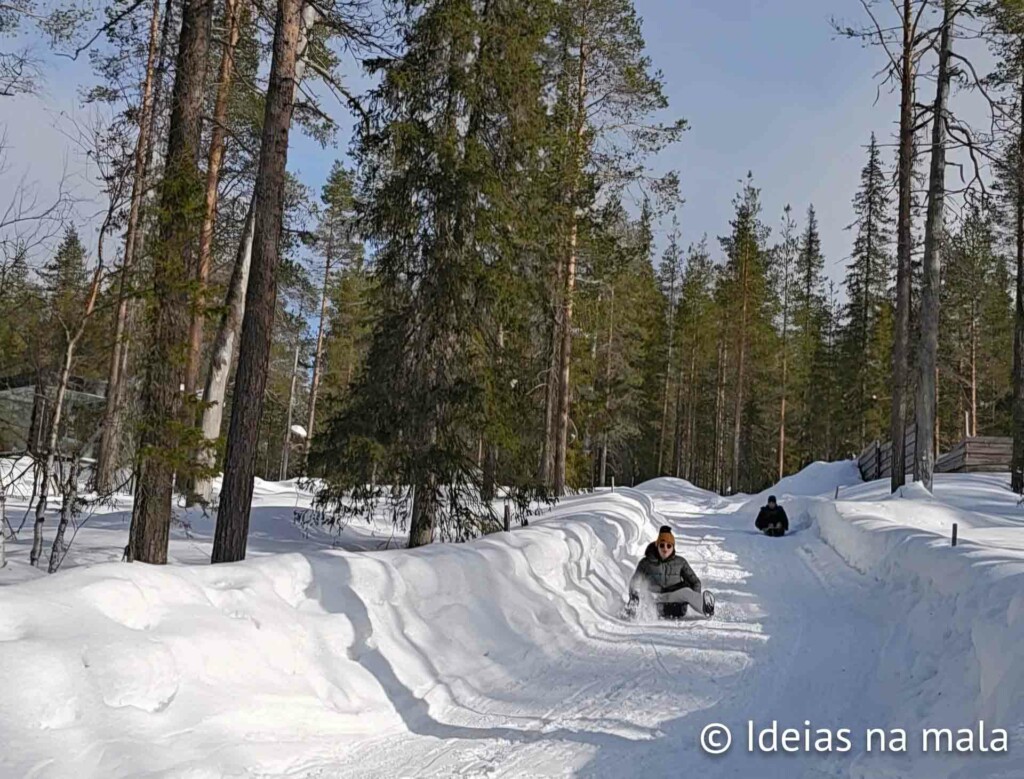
x=869 y=277
x=785 y=263
x=607 y=94
x=696 y=323
x=934 y=233
x=433 y=149
x=976 y=332
x=669 y=277
x=167 y=431
x=1008 y=46
x=337 y=242
x=808 y=344
x=66 y=281
x=746 y=327
x=291 y=28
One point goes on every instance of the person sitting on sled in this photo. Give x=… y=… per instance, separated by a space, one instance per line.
x=668 y=580
x=772 y=519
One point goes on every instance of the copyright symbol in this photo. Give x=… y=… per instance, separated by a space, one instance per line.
x=715 y=739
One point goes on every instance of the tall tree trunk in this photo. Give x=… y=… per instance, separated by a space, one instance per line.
x=668 y=375
x=1017 y=457
x=223 y=353
x=489 y=467
x=564 y=364
x=865 y=327
x=690 y=451
x=233 y=19
x=740 y=379
x=286 y=444
x=107 y=456
x=565 y=353
x=785 y=376
x=973 y=430
x=905 y=173
x=173 y=268
x=719 y=463
x=547 y=452
x=678 y=454
x=261 y=297
x=314 y=385
x=603 y=471
x=929 y=346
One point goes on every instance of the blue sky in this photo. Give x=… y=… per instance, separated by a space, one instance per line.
x=764 y=85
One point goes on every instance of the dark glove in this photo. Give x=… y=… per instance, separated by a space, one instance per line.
x=632 y=606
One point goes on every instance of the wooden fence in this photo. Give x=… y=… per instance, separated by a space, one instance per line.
x=978 y=454
x=971 y=455
x=875 y=462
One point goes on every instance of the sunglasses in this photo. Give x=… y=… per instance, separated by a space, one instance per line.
x=666 y=546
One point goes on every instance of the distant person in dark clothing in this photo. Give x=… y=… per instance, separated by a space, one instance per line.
x=772 y=519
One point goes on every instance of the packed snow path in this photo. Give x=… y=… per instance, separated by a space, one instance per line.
x=795 y=638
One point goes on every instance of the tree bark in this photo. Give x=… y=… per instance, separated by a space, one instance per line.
x=668 y=374
x=603 y=469
x=223 y=353
x=233 y=17
x=719 y=464
x=424 y=513
x=785 y=358
x=973 y=429
x=107 y=456
x=905 y=172
x=286 y=444
x=565 y=352
x=740 y=378
x=929 y=346
x=261 y=297
x=173 y=267
x=547 y=451
x=67 y=511
x=1017 y=457
x=314 y=386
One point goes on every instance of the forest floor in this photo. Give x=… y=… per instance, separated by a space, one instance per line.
x=507 y=656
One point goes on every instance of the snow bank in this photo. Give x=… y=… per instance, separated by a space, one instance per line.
x=284 y=661
x=953 y=652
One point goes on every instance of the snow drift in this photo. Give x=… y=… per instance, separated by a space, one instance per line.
x=962 y=607
x=284 y=660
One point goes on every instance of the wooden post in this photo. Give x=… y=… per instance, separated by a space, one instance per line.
x=613 y=484
x=878 y=460
x=508 y=517
x=837 y=492
x=954 y=534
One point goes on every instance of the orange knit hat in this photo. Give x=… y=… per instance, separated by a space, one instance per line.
x=665 y=536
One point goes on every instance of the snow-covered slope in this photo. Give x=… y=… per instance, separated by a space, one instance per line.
x=955 y=615
x=284 y=661
x=507 y=657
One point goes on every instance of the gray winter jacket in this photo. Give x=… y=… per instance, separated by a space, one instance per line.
x=657 y=575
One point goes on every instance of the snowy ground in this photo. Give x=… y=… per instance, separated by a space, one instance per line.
x=506 y=656
x=276 y=527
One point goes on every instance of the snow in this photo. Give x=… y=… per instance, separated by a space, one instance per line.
x=323 y=655
x=280 y=522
